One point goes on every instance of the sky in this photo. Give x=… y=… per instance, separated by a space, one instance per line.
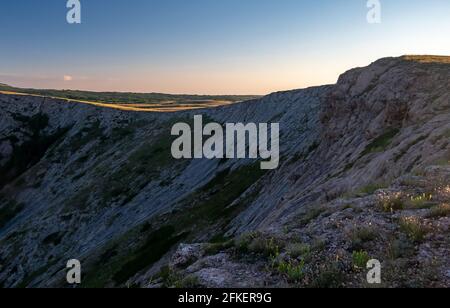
x=208 y=46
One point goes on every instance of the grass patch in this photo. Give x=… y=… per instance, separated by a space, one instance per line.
x=400 y=248
x=360 y=259
x=362 y=235
x=173 y=279
x=243 y=241
x=297 y=250
x=207 y=207
x=381 y=143
x=215 y=248
x=264 y=246
x=423 y=201
x=128 y=98
x=330 y=277
x=311 y=215
x=157 y=244
x=257 y=243
x=413 y=228
x=371 y=188
x=391 y=203
x=124 y=258
x=217 y=196
x=439 y=211
x=293 y=271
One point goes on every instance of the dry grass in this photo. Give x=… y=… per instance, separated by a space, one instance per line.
x=427 y=59
x=391 y=202
x=439 y=211
x=414 y=228
x=169 y=106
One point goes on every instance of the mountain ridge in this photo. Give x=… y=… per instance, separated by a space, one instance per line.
x=358 y=159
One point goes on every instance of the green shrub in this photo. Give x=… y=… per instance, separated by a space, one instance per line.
x=294 y=272
x=414 y=228
x=266 y=247
x=421 y=202
x=311 y=215
x=319 y=244
x=188 y=282
x=442 y=210
x=360 y=259
x=371 y=188
x=400 y=248
x=158 y=243
x=297 y=250
x=381 y=143
x=243 y=241
x=361 y=235
x=330 y=277
x=391 y=203
x=214 y=248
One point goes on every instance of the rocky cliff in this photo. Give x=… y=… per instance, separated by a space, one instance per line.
x=364 y=174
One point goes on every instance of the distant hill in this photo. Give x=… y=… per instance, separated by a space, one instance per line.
x=364 y=174
x=128 y=97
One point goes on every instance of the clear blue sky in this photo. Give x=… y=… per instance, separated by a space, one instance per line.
x=209 y=46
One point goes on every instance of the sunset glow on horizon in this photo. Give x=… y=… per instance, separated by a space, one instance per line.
x=209 y=47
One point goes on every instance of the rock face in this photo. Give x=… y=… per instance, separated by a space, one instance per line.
x=364 y=173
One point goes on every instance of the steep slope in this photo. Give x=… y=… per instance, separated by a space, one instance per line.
x=364 y=172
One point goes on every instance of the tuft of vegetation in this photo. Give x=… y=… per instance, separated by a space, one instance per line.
x=255 y=242
x=243 y=241
x=362 y=235
x=297 y=250
x=391 y=203
x=423 y=201
x=216 y=197
x=442 y=210
x=215 y=248
x=400 y=248
x=174 y=279
x=157 y=244
x=311 y=215
x=188 y=282
x=329 y=277
x=381 y=143
x=264 y=246
x=413 y=228
x=293 y=271
x=371 y=188
x=360 y=259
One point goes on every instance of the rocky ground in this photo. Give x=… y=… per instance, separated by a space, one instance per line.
x=364 y=174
